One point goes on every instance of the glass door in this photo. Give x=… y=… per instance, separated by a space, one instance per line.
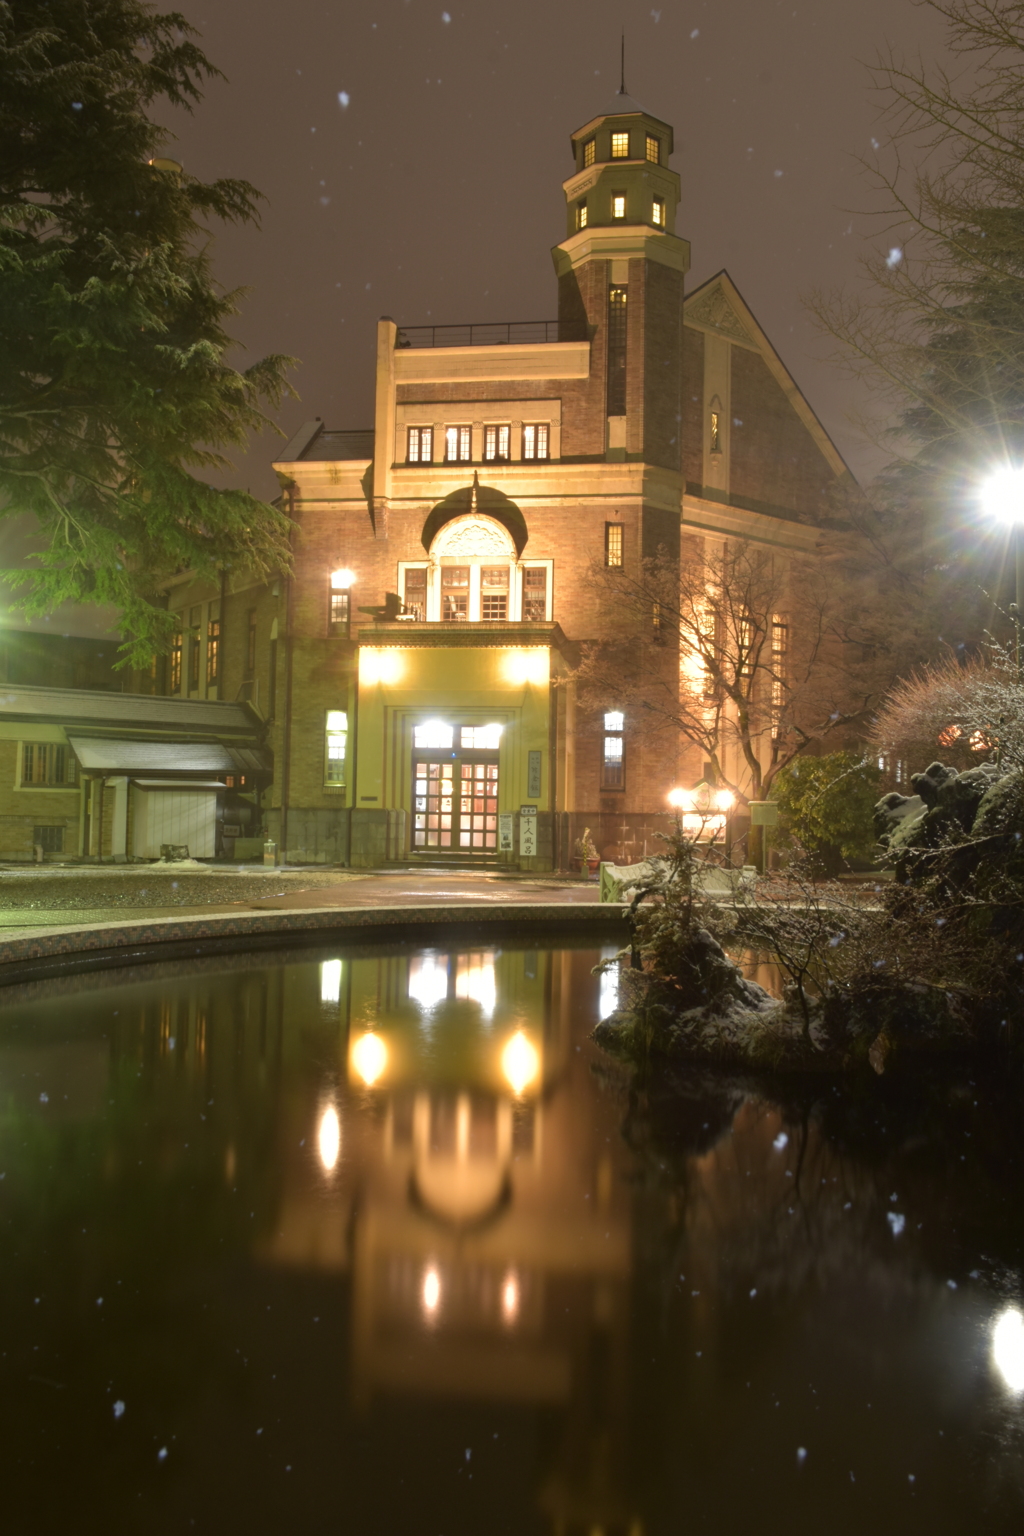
x=478 y=807
x=433 y=804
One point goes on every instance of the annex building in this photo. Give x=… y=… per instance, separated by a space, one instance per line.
x=413 y=673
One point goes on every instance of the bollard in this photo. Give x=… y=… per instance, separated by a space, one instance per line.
x=269 y=853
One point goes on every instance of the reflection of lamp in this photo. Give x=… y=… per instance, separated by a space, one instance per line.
x=330 y=973
x=519 y=1062
x=328 y=1138
x=431 y=1291
x=1008 y=1348
x=510 y=1297
x=428 y=980
x=369 y=1057
x=474 y=980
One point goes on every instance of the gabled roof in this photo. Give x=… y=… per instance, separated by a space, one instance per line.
x=719 y=307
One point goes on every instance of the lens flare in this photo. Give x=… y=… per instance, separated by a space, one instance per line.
x=1008 y=1348
x=369 y=1057
x=328 y=1138
x=519 y=1062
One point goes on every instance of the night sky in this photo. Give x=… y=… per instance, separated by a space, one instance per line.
x=435 y=194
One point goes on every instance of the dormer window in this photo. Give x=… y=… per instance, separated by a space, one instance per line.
x=658 y=212
x=589 y=152
x=653 y=149
x=618 y=205
x=620 y=146
x=581 y=215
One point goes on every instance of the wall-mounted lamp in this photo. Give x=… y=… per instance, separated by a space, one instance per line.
x=343 y=579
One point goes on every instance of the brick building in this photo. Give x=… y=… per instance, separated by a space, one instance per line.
x=410 y=666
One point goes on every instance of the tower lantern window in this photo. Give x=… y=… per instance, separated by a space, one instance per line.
x=618 y=205
x=589 y=152
x=581 y=215
x=658 y=212
x=620 y=145
x=653 y=149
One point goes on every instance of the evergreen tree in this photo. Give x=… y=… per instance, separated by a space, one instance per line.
x=115 y=392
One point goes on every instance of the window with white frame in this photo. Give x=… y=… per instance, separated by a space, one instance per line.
x=497 y=441
x=612 y=753
x=457 y=445
x=536 y=439
x=335 y=747
x=535 y=594
x=415 y=594
x=455 y=593
x=494 y=593
x=420 y=449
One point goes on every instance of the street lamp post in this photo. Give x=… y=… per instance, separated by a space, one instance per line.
x=1003 y=499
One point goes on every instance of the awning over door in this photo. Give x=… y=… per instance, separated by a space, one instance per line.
x=184 y=759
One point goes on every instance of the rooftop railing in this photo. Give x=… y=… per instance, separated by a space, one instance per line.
x=494 y=333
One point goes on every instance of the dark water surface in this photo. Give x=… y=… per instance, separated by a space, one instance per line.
x=376 y=1241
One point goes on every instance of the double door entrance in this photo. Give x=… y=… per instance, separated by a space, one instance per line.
x=455 y=802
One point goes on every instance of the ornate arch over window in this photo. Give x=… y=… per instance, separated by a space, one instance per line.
x=473 y=573
x=474 y=536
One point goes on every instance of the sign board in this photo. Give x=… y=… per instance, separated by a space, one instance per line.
x=505 y=832
x=533 y=775
x=527 y=831
x=764 y=813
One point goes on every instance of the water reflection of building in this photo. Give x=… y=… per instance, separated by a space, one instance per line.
x=470 y=1189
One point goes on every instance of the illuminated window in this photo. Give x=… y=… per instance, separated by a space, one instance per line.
x=177 y=640
x=653 y=149
x=658 y=212
x=494 y=593
x=613 y=544
x=780 y=646
x=589 y=152
x=481 y=738
x=195 y=624
x=618 y=205
x=612 y=756
x=715 y=426
x=535 y=440
x=496 y=442
x=455 y=593
x=339 y=614
x=421 y=445
x=457 y=445
x=617 y=351
x=335 y=746
x=44 y=762
x=250 y=649
x=581 y=215
x=213 y=646
x=416 y=592
x=535 y=594
x=433 y=736
x=620 y=145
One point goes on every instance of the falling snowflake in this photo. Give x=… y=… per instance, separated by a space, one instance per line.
x=343 y=99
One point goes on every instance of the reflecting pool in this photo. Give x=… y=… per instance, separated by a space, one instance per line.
x=375 y=1240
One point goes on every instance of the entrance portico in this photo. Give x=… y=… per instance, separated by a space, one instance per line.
x=456 y=725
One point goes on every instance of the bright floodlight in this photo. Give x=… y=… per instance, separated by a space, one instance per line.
x=343 y=579
x=1008 y=1348
x=1002 y=495
x=682 y=799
